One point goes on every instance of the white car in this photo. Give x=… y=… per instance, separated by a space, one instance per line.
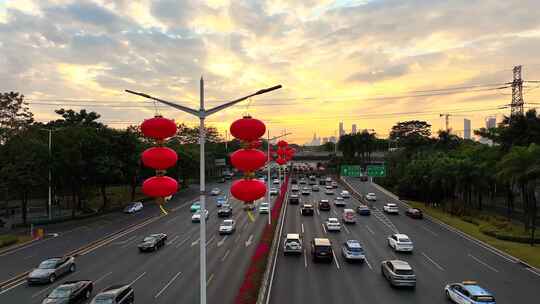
x=276 y=181
x=339 y=202
x=328 y=180
x=196 y=217
x=215 y=191
x=305 y=191
x=292 y=244
x=329 y=192
x=264 y=207
x=332 y=224
x=345 y=194
x=227 y=227
x=295 y=188
x=400 y=242
x=328 y=187
x=273 y=191
x=371 y=197
x=133 y=207
x=391 y=208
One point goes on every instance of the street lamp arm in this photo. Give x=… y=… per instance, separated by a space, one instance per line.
x=276 y=137
x=231 y=103
x=171 y=104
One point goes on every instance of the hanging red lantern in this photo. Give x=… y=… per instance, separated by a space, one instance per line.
x=159 y=186
x=248 y=190
x=282 y=152
x=281 y=161
x=248 y=160
x=159 y=158
x=282 y=144
x=247 y=129
x=158 y=128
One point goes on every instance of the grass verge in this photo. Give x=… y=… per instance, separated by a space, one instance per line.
x=525 y=252
x=10 y=239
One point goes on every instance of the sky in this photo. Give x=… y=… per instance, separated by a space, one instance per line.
x=368 y=62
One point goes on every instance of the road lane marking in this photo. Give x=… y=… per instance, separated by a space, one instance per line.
x=305 y=258
x=182 y=242
x=334 y=211
x=209 y=279
x=171 y=220
x=28 y=257
x=346 y=229
x=167 y=285
x=138 y=278
x=45 y=290
x=250 y=239
x=432 y=261
x=429 y=230
x=14 y=286
x=210 y=240
x=173 y=240
x=302 y=228
x=124 y=241
x=195 y=242
x=369 y=265
x=226 y=255
x=369 y=229
x=483 y=263
x=335 y=259
x=237 y=238
x=318 y=213
x=222 y=241
x=534 y=272
x=103 y=277
x=128 y=243
x=324 y=228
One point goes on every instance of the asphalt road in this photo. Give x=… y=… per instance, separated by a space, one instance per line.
x=170 y=275
x=440 y=256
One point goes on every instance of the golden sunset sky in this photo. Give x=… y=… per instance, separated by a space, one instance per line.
x=372 y=63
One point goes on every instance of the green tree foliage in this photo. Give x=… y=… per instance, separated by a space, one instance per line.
x=411 y=134
x=14 y=115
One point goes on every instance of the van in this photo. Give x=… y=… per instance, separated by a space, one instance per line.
x=349 y=216
x=321 y=250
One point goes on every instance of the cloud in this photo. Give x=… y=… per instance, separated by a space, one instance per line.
x=381 y=74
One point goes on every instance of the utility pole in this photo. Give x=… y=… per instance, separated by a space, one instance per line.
x=516 y=105
x=446 y=121
x=202 y=113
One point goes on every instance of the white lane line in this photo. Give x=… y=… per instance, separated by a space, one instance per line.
x=250 y=239
x=124 y=241
x=432 y=261
x=335 y=259
x=32 y=243
x=237 y=238
x=102 y=277
x=324 y=228
x=226 y=255
x=318 y=213
x=369 y=265
x=43 y=291
x=173 y=240
x=128 y=243
x=346 y=229
x=28 y=257
x=210 y=279
x=334 y=211
x=369 y=229
x=534 y=272
x=195 y=242
x=429 y=230
x=222 y=241
x=483 y=263
x=171 y=220
x=302 y=228
x=210 y=240
x=182 y=242
x=167 y=285
x=138 y=278
x=305 y=258
x=14 y=286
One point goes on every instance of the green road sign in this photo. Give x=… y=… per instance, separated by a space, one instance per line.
x=349 y=170
x=376 y=170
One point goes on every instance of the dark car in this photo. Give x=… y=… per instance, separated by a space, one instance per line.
x=414 y=213
x=324 y=205
x=294 y=200
x=321 y=250
x=363 y=210
x=117 y=294
x=49 y=270
x=70 y=292
x=322 y=182
x=294 y=181
x=307 y=209
x=224 y=211
x=152 y=242
x=364 y=178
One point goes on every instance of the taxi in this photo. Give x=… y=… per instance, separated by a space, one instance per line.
x=468 y=292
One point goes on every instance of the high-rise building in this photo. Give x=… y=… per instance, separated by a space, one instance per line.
x=332 y=139
x=341 y=130
x=466 y=128
x=491 y=122
x=353 y=129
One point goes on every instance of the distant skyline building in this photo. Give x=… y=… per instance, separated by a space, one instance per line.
x=324 y=140
x=341 y=130
x=466 y=128
x=491 y=122
x=353 y=129
x=332 y=139
x=316 y=141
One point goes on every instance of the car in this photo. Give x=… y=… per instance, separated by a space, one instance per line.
x=221 y=200
x=133 y=207
x=339 y=202
x=315 y=189
x=363 y=178
x=70 y=292
x=51 y=269
x=324 y=205
x=414 y=213
x=312 y=182
x=400 y=242
x=294 y=199
x=363 y=210
x=468 y=292
x=294 y=181
x=264 y=207
x=398 y=273
x=321 y=250
x=305 y=191
x=227 y=227
x=352 y=250
x=152 y=242
x=196 y=217
x=322 y=182
x=306 y=209
x=334 y=185
x=349 y=216
x=224 y=211
x=215 y=191
x=273 y=191
x=391 y=208
x=221 y=180
x=371 y=197
x=345 y=194
x=292 y=244
x=302 y=181
x=275 y=181
x=196 y=206
x=295 y=188
x=332 y=224
x=116 y=294
x=328 y=180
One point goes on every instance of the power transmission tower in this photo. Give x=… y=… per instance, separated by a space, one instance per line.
x=446 y=121
x=517 y=93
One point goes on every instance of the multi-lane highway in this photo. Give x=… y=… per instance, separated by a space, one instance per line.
x=440 y=256
x=169 y=275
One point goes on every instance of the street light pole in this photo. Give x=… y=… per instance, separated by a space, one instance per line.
x=202 y=113
x=268 y=172
x=50 y=175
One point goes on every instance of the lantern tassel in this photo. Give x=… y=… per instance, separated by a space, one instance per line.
x=250 y=216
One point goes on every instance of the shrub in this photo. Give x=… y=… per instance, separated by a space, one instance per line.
x=7 y=240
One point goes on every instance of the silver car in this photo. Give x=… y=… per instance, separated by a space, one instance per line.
x=49 y=270
x=227 y=227
x=398 y=273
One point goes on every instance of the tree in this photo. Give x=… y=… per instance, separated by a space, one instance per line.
x=14 y=115
x=187 y=135
x=411 y=134
x=346 y=146
x=71 y=118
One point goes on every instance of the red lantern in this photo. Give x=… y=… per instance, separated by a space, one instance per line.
x=248 y=190
x=281 y=161
x=159 y=158
x=282 y=144
x=248 y=160
x=247 y=128
x=282 y=152
x=158 y=128
x=159 y=186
